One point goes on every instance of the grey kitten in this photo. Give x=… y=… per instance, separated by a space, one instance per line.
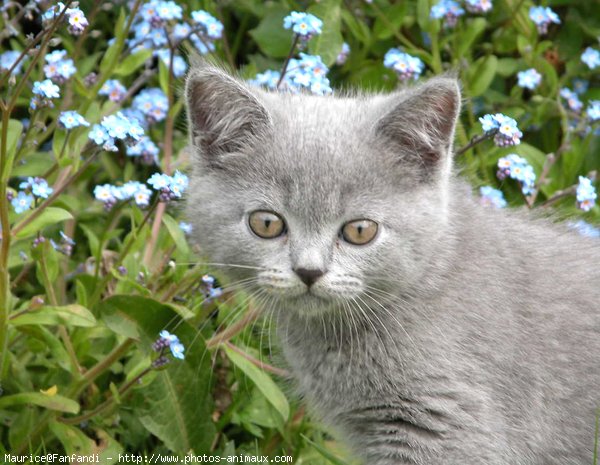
x=422 y=327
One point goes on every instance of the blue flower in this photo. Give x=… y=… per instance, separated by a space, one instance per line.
x=146 y=149
x=114 y=90
x=507 y=132
x=478 y=6
x=186 y=228
x=449 y=10
x=529 y=79
x=543 y=17
x=77 y=21
x=171 y=341
x=580 y=86
x=8 y=59
x=491 y=197
x=572 y=99
x=518 y=168
x=22 y=202
x=179 y=64
x=114 y=127
x=593 y=110
x=405 y=65
x=71 y=120
x=586 y=194
x=211 y=291
x=591 y=57
x=105 y=193
x=343 y=55
x=159 y=181
x=211 y=29
x=142 y=196
x=303 y=24
x=307 y=73
x=40 y=188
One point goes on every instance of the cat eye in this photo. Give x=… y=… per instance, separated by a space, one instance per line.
x=265 y=224
x=359 y=232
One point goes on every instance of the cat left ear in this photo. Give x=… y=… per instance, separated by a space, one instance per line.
x=422 y=121
x=224 y=114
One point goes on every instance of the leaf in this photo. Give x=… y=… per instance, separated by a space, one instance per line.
x=92 y=239
x=335 y=460
x=328 y=44
x=50 y=215
x=176 y=405
x=130 y=64
x=58 y=403
x=71 y=315
x=15 y=129
x=392 y=16
x=423 y=11
x=481 y=75
x=358 y=29
x=74 y=441
x=262 y=381
x=270 y=36
x=176 y=234
x=470 y=34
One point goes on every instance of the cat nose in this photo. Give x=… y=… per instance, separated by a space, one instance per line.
x=308 y=276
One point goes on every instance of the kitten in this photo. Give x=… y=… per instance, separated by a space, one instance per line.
x=422 y=327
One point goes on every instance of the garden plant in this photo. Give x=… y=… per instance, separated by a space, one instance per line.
x=116 y=335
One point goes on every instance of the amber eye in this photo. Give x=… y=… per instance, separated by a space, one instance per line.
x=267 y=225
x=359 y=232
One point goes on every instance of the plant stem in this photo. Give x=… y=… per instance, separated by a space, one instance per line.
x=251 y=315
x=262 y=365
x=474 y=141
x=287 y=59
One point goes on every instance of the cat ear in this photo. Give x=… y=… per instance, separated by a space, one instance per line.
x=422 y=121
x=224 y=114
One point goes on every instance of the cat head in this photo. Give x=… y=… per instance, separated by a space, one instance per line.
x=317 y=202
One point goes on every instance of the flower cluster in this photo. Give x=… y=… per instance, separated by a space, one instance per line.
x=516 y=167
x=109 y=195
x=478 y=6
x=114 y=127
x=449 y=10
x=591 y=57
x=114 y=90
x=543 y=17
x=36 y=186
x=307 y=73
x=171 y=341
x=210 y=288
x=303 y=24
x=22 y=202
x=529 y=79
x=505 y=129
x=160 y=26
x=146 y=149
x=75 y=17
x=586 y=194
x=406 y=66
x=572 y=99
x=71 y=120
x=43 y=93
x=58 y=67
x=490 y=197
x=152 y=103
x=170 y=187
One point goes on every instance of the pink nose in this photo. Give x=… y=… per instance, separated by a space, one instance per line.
x=307 y=276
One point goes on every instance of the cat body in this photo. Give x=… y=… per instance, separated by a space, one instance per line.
x=456 y=334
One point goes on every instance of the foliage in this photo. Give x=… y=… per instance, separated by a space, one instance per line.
x=114 y=336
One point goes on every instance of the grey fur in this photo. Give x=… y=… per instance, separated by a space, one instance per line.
x=460 y=335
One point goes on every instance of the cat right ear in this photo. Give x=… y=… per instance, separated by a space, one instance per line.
x=224 y=115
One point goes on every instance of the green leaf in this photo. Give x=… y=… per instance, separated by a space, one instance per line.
x=358 y=29
x=262 y=381
x=328 y=44
x=56 y=402
x=176 y=234
x=335 y=460
x=72 y=315
x=35 y=164
x=392 y=16
x=481 y=75
x=470 y=34
x=423 y=11
x=50 y=215
x=92 y=239
x=176 y=405
x=72 y=439
x=15 y=129
x=131 y=64
x=270 y=36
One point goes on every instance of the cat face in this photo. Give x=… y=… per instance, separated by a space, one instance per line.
x=314 y=202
